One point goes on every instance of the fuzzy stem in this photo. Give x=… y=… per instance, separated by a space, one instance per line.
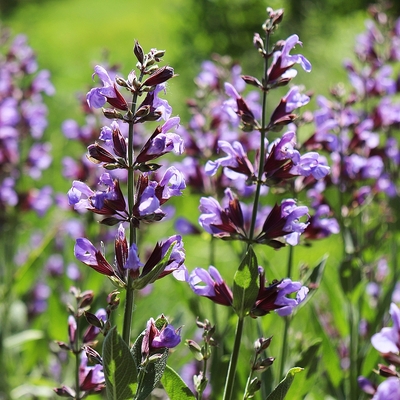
x=76 y=351
x=263 y=132
x=129 y=300
x=230 y=380
x=287 y=320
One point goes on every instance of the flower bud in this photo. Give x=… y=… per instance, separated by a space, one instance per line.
x=113 y=300
x=111 y=113
x=262 y=365
x=121 y=82
x=255 y=386
x=93 y=320
x=65 y=391
x=161 y=75
x=138 y=51
x=195 y=349
x=200 y=382
x=262 y=344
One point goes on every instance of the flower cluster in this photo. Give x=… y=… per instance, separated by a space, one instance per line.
x=130 y=191
x=91 y=377
x=270 y=298
x=114 y=151
x=23 y=120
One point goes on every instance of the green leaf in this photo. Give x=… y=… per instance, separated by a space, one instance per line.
x=174 y=385
x=246 y=284
x=350 y=274
x=155 y=272
x=313 y=279
x=22 y=337
x=119 y=368
x=281 y=390
x=152 y=375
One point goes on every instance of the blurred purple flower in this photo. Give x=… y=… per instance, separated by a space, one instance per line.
x=388 y=389
x=388 y=339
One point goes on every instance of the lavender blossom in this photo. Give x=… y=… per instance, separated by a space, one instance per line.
x=210 y=284
x=97 y=97
x=388 y=339
x=389 y=389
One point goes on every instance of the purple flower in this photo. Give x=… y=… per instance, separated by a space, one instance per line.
x=172 y=184
x=366 y=385
x=210 y=284
x=105 y=202
x=168 y=337
x=133 y=261
x=227 y=222
x=185 y=227
x=320 y=224
x=388 y=339
x=149 y=203
x=273 y=297
x=388 y=389
x=41 y=83
x=161 y=142
x=97 y=97
x=91 y=378
x=283 y=221
x=282 y=115
x=282 y=62
x=8 y=195
x=288 y=304
x=311 y=164
x=40 y=200
x=236 y=160
x=88 y=254
x=210 y=214
x=155 y=339
x=39 y=159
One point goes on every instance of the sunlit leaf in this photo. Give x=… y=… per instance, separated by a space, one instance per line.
x=119 y=368
x=281 y=390
x=175 y=386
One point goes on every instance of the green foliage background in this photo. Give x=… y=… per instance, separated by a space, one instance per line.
x=73 y=35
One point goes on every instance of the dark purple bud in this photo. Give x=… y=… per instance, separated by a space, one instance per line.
x=263 y=364
x=251 y=80
x=259 y=43
x=262 y=344
x=65 y=391
x=72 y=327
x=93 y=320
x=112 y=113
x=138 y=51
x=119 y=143
x=161 y=75
x=98 y=154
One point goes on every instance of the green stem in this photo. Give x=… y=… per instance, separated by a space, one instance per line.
x=129 y=300
x=250 y=377
x=228 y=390
x=287 y=320
x=263 y=132
x=77 y=361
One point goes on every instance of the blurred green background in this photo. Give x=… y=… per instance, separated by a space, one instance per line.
x=71 y=36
